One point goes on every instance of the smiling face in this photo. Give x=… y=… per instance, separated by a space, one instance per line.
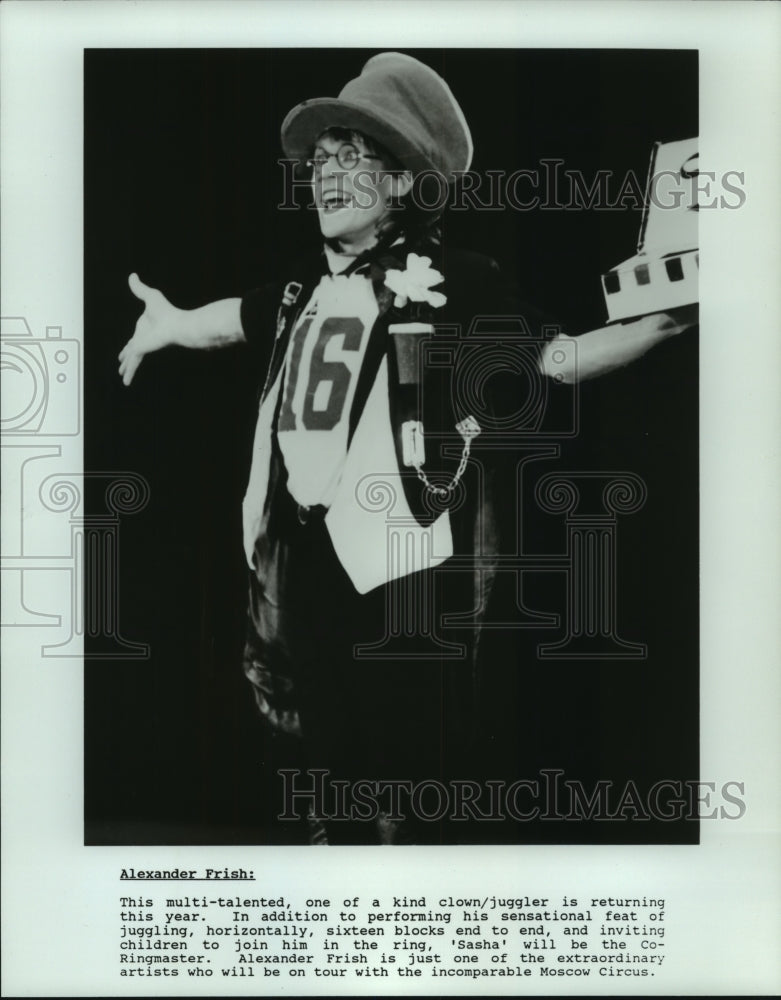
x=353 y=193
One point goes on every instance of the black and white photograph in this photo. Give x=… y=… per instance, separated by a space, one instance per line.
x=469 y=507
x=390 y=476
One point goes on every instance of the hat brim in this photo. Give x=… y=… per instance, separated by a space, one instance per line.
x=310 y=119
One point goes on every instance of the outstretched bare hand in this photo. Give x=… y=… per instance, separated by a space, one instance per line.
x=158 y=326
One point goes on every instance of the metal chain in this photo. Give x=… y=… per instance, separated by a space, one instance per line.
x=443 y=491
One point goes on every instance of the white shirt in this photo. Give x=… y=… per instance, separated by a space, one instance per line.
x=324 y=358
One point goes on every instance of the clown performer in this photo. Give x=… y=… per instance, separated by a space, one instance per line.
x=356 y=434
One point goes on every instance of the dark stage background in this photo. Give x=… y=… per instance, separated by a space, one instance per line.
x=181 y=185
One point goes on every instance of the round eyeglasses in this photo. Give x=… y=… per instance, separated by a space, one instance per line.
x=347 y=156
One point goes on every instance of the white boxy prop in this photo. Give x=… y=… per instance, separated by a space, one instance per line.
x=664 y=273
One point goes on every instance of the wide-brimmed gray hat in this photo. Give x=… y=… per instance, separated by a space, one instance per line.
x=400 y=103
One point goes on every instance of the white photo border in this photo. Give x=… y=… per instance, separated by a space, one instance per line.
x=59 y=898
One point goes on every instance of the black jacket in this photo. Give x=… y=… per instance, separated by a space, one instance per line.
x=482 y=362
x=464 y=361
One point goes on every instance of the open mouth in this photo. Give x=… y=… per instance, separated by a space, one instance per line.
x=334 y=201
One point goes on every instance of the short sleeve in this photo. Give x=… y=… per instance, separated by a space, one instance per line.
x=502 y=335
x=258 y=312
